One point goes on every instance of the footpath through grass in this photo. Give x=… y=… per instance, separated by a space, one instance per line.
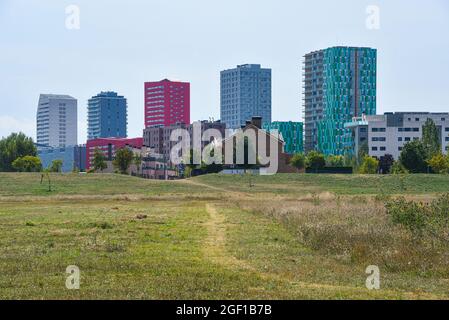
x=139 y=239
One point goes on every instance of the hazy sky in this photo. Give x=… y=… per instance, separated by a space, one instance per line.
x=121 y=44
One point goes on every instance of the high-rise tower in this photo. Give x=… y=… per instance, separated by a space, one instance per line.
x=245 y=93
x=166 y=103
x=57 y=120
x=339 y=84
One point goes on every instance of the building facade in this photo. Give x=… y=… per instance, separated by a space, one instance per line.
x=339 y=83
x=245 y=92
x=107 y=116
x=388 y=133
x=57 y=120
x=255 y=125
x=291 y=133
x=72 y=157
x=108 y=146
x=158 y=138
x=166 y=103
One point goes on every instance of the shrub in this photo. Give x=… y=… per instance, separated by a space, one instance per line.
x=385 y=163
x=27 y=164
x=315 y=160
x=369 y=165
x=398 y=168
x=420 y=218
x=298 y=161
x=335 y=161
x=439 y=163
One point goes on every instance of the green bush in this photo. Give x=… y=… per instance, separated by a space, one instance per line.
x=369 y=165
x=27 y=164
x=298 y=161
x=398 y=168
x=439 y=163
x=315 y=160
x=420 y=218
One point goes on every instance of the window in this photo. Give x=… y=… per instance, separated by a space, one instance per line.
x=447 y=138
x=383 y=148
x=415 y=129
x=407 y=139
x=400 y=148
x=374 y=148
x=399 y=139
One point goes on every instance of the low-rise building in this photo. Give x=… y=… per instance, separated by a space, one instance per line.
x=388 y=133
x=158 y=138
x=109 y=146
x=72 y=157
x=255 y=125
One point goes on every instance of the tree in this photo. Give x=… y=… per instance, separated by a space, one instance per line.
x=56 y=166
x=385 y=163
x=335 y=161
x=16 y=145
x=99 y=160
x=362 y=152
x=369 y=165
x=431 y=139
x=439 y=163
x=315 y=160
x=413 y=157
x=27 y=164
x=298 y=161
x=123 y=159
x=138 y=162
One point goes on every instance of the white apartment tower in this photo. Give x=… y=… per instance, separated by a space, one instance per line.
x=57 y=119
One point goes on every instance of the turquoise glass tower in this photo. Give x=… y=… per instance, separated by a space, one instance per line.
x=339 y=84
x=291 y=132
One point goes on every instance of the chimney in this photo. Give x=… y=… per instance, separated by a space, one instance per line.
x=257 y=122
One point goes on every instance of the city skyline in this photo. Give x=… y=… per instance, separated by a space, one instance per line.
x=37 y=54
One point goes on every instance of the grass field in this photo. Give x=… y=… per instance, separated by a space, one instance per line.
x=215 y=237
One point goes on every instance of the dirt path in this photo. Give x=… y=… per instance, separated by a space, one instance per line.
x=215 y=250
x=215 y=244
x=236 y=194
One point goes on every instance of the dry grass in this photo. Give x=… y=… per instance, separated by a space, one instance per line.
x=356 y=230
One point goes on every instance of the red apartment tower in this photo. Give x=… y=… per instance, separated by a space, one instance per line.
x=167 y=103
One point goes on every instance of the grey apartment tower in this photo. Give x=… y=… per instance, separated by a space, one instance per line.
x=107 y=116
x=339 y=83
x=245 y=92
x=57 y=120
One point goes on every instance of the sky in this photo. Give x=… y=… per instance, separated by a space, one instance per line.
x=121 y=44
